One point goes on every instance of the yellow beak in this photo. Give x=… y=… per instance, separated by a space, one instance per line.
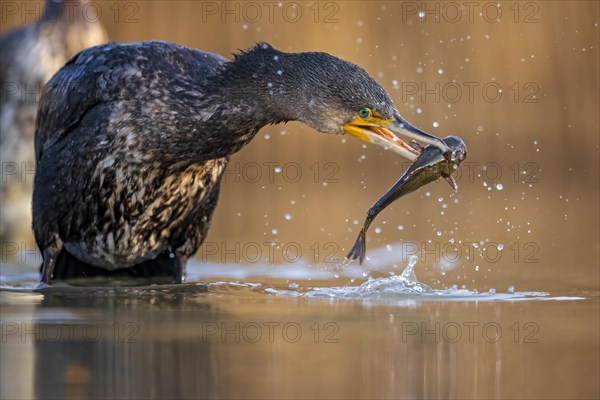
x=384 y=132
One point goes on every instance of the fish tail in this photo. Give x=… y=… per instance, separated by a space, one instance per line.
x=359 y=250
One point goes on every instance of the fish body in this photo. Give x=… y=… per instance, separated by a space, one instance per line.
x=431 y=164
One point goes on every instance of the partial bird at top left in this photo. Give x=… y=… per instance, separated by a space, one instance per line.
x=29 y=56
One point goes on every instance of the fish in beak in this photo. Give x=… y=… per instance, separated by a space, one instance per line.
x=431 y=164
x=395 y=134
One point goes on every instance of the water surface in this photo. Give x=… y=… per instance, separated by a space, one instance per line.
x=305 y=335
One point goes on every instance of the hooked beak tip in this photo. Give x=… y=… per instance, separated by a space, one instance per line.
x=400 y=126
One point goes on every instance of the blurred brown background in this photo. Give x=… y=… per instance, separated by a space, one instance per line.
x=539 y=138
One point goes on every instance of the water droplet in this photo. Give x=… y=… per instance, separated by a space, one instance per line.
x=288 y=217
x=274 y=231
x=511 y=289
x=435 y=124
x=293 y=285
x=499 y=186
x=378 y=230
x=492 y=291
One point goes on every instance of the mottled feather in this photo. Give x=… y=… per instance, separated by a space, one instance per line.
x=132 y=141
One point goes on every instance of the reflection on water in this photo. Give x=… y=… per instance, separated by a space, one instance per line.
x=390 y=337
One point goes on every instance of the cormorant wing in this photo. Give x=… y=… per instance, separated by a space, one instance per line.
x=108 y=73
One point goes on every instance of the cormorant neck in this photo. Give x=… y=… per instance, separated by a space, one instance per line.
x=259 y=87
x=253 y=90
x=264 y=82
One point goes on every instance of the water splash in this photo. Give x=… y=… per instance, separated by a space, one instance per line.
x=405 y=283
x=409 y=271
x=407 y=286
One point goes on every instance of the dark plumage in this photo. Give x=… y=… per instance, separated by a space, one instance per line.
x=29 y=56
x=132 y=141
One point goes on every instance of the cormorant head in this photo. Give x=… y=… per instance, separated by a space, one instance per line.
x=344 y=98
x=332 y=96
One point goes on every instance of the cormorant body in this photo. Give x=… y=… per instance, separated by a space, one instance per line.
x=29 y=56
x=132 y=140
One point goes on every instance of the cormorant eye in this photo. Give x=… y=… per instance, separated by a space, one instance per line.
x=364 y=113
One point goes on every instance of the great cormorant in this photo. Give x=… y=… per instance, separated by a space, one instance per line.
x=132 y=140
x=29 y=56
